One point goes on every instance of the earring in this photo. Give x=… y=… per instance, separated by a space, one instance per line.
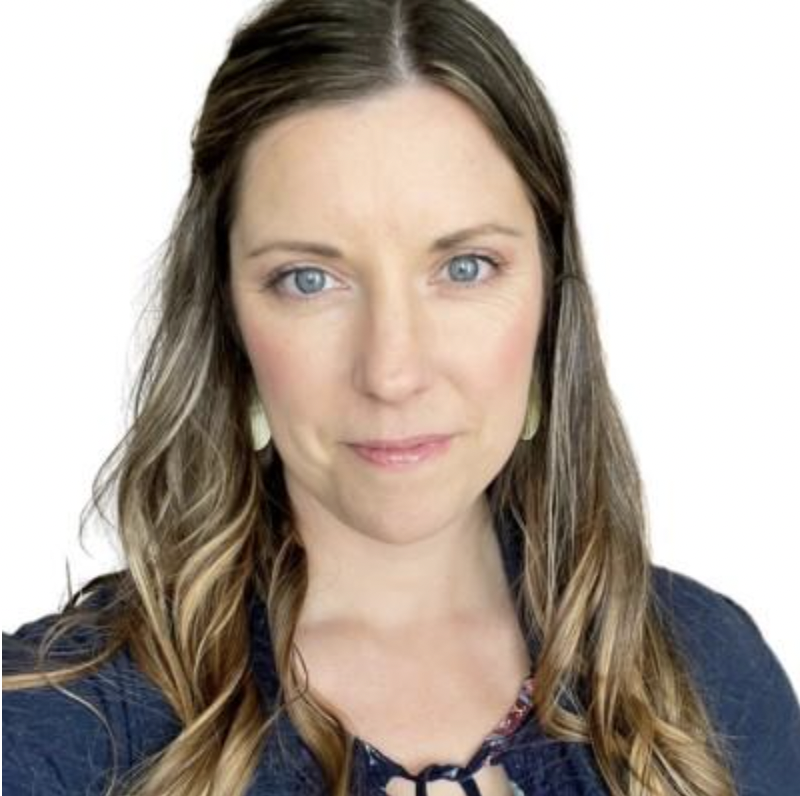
x=259 y=427
x=533 y=413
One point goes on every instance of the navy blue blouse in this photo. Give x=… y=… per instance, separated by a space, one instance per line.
x=53 y=744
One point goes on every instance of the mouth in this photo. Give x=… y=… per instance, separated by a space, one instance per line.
x=402 y=454
x=404 y=444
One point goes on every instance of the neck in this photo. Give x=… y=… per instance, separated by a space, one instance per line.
x=355 y=580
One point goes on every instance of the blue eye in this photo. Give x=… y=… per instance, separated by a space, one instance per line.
x=462 y=272
x=308 y=280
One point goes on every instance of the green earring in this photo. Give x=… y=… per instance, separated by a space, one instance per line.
x=533 y=413
x=259 y=427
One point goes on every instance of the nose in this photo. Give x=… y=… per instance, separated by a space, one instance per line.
x=396 y=346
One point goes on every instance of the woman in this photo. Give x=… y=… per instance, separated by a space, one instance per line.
x=383 y=525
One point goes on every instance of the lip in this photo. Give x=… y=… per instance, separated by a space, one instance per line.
x=402 y=444
x=393 y=456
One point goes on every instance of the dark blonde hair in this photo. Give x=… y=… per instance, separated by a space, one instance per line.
x=203 y=519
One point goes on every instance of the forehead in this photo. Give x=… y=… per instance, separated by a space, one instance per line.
x=409 y=161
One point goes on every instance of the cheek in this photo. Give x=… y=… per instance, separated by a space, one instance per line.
x=290 y=371
x=270 y=364
x=515 y=349
x=506 y=362
x=504 y=343
x=269 y=356
x=500 y=381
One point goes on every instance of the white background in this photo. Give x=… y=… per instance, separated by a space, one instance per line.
x=682 y=124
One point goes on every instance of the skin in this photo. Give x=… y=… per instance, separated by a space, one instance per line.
x=390 y=344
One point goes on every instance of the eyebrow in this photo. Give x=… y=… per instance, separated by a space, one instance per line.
x=440 y=244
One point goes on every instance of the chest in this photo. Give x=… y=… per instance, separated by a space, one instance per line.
x=430 y=697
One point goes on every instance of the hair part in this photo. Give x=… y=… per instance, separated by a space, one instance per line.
x=205 y=522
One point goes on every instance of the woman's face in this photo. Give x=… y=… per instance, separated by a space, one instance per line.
x=391 y=336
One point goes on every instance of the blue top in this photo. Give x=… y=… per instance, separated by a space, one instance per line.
x=56 y=745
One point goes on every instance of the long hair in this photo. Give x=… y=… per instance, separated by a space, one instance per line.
x=203 y=519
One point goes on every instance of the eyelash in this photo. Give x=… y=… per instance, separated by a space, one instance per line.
x=274 y=281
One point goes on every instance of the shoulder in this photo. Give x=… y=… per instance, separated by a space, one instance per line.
x=69 y=738
x=708 y=623
x=719 y=636
x=742 y=681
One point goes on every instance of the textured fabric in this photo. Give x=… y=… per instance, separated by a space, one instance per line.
x=53 y=744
